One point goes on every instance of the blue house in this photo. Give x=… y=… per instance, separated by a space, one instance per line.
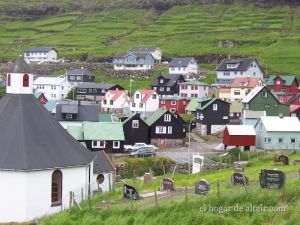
x=133 y=61
x=277 y=133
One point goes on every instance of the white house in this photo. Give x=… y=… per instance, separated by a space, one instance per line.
x=144 y=102
x=193 y=89
x=230 y=68
x=154 y=51
x=41 y=163
x=53 y=87
x=114 y=101
x=40 y=55
x=183 y=66
x=133 y=61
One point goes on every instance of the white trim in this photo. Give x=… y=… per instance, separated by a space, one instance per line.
x=116 y=142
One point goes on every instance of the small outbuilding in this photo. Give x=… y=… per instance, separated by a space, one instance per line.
x=243 y=136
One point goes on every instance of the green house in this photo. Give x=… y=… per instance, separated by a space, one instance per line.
x=261 y=99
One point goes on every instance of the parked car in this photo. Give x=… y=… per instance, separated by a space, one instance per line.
x=143 y=152
x=130 y=148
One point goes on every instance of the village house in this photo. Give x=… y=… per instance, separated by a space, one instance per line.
x=192 y=106
x=114 y=101
x=78 y=76
x=174 y=104
x=144 y=102
x=133 y=61
x=278 y=133
x=235 y=112
x=167 y=85
x=74 y=113
x=250 y=117
x=166 y=128
x=94 y=91
x=224 y=93
x=193 y=89
x=242 y=136
x=136 y=130
x=154 y=51
x=231 y=68
x=39 y=155
x=212 y=115
x=285 y=84
x=40 y=55
x=48 y=104
x=241 y=86
x=183 y=66
x=261 y=99
x=53 y=87
x=295 y=111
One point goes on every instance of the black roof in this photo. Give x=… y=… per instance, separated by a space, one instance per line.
x=82 y=71
x=170 y=80
x=31 y=139
x=39 y=49
x=97 y=85
x=102 y=164
x=244 y=64
x=20 y=66
x=181 y=62
x=86 y=111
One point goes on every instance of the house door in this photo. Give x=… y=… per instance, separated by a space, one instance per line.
x=208 y=129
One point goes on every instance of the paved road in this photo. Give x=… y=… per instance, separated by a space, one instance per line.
x=179 y=154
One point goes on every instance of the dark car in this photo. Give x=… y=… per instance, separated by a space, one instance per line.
x=143 y=152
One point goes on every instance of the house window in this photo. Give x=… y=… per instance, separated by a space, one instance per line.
x=141 y=105
x=162 y=102
x=155 y=88
x=78 y=78
x=8 y=80
x=98 y=144
x=56 y=188
x=161 y=89
x=283 y=90
x=133 y=104
x=104 y=102
x=225 y=117
x=72 y=77
x=95 y=90
x=246 y=106
x=160 y=130
x=278 y=82
x=90 y=90
x=161 y=81
x=280 y=140
x=236 y=92
x=25 y=80
x=69 y=116
x=267 y=140
x=111 y=102
x=173 y=102
x=135 y=124
x=260 y=127
x=169 y=130
x=281 y=98
x=215 y=107
x=293 y=140
x=100 y=179
x=137 y=96
x=168 y=88
x=116 y=144
x=264 y=94
x=167 y=118
x=154 y=96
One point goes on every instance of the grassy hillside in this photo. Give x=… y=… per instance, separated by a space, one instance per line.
x=271 y=35
x=180 y=212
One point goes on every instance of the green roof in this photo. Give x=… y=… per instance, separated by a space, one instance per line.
x=236 y=107
x=104 y=117
x=50 y=105
x=193 y=104
x=206 y=101
x=288 y=79
x=109 y=131
x=128 y=118
x=76 y=132
x=194 y=82
x=155 y=116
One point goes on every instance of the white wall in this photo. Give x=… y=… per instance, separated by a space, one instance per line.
x=201 y=92
x=148 y=107
x=138 y=67
x=27 y=195
x=39 y=57
x=191 y=68
x=107 y=185
x=16 y=84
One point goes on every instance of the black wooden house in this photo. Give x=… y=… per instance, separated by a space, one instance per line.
x=166 y=84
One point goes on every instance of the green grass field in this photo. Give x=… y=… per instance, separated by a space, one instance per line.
x=268 y=34
x=178 y=211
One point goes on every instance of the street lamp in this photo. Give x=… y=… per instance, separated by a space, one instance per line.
x=190 y=143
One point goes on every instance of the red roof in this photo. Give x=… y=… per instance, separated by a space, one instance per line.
x=249 y=82
x=293 y=108
x=146 y=94
x=116 y=94
x=224 y=90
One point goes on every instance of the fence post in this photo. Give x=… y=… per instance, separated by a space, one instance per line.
x=218 y=189
x=155 y=198
x=89 y=200
x=256 y=153
x=107 y=200
x=186 y=194
x=82 y=194
x=70 y=199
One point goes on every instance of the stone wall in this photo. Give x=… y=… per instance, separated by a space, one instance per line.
x=164 y=143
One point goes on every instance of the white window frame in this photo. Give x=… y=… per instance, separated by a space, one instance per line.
x=160 y=129
x=135 y=123
x=162 y=102
x=116 y=146
x=170 y=129
x=69 y=116
x=167 y=117
x=292 y=141
x=267 y=140
x=173 y=102
x=215 y=107
x=280 y=140
x=168 y=89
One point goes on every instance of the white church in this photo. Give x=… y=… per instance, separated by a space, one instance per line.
x=40 y=163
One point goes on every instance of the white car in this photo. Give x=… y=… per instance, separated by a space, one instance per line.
x=130 y=148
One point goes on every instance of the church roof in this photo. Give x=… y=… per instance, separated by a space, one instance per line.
x=20 y=66
x=32 y=140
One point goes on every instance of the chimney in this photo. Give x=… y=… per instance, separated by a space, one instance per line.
x=280 y=115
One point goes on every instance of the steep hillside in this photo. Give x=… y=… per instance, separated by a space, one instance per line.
x=208 y=32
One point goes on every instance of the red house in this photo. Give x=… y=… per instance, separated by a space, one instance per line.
x=240 y=136
x=289 y=98
x=287 y=84
x=174 y=104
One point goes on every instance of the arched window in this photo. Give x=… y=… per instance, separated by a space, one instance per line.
x=25 y=80
x=8 y=80
x=56 y=188
x=100 y=178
